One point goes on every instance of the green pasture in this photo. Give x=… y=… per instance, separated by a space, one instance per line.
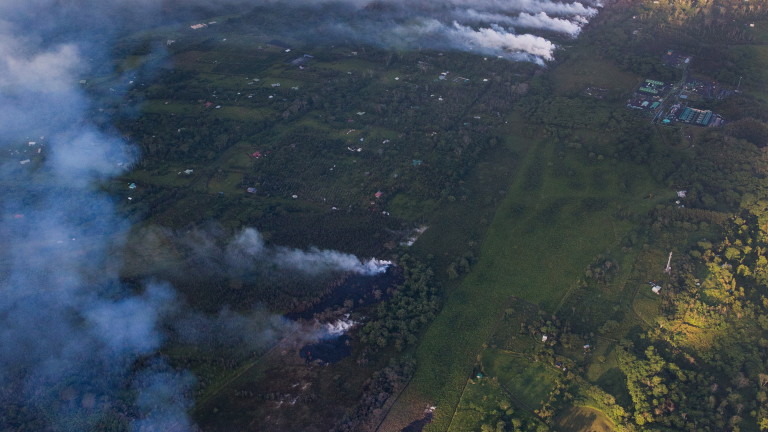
x=169 y=177
x=549 y=218
x=604 y=358
x=354 y=65
x=240 y=113
x=591 y=304
x=647 y=305
x=508 y=335
x=583 y=419
x=410 y=208
x=583 y=69
x=556 y=218
x=171 y=107
x=528 y=381
x=760 y=65
x=200 y=61
x=221 y=81
x=485 y=402
x=479 y=398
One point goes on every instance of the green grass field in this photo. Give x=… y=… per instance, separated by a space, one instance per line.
x=479 y=398
x=761 y=64
x=485 y=401
x=584 y=69
x=544 y=234
x=528 y=381
x=584 y=419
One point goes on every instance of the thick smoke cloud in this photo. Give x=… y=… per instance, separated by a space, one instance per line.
x=495 y=37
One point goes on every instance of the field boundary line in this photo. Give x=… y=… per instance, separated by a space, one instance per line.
x=392 y=404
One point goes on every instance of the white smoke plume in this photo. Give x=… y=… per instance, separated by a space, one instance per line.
x=499 y=41
x=209 y=252
x=248 y=248
x=338 y=327
x=510 y=6
x=492 y=40
x=543 y=21
x=426 y=7
x=540 y=20
x=479 y=26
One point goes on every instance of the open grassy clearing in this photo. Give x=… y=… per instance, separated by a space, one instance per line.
x=605 y=359
x=528 y=381
x=351 y=64
x=584 y=419
x=549 y=217
x=171 y=107
x=509 y=335
x=583 y=69
x=761 y=64
x=485 y=401
x=479 y=396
